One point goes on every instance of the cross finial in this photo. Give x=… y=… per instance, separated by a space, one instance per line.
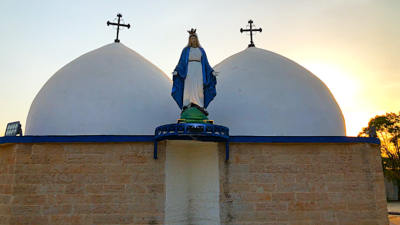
x=118 y=25
x=251 y=32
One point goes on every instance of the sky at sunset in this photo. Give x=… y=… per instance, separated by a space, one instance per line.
x=353 y=46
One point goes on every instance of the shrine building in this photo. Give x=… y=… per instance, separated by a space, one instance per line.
x=91 y=153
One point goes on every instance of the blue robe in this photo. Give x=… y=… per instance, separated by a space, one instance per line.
x=209 y=80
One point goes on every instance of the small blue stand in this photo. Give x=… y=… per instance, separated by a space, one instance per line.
x=192 y=131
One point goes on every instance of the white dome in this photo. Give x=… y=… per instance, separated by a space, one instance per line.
x=261 y=93
x=109 y=91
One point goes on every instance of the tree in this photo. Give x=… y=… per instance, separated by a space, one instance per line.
x=388 y=131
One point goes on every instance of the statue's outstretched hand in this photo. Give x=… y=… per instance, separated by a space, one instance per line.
x=215 y=73
x=174 y=73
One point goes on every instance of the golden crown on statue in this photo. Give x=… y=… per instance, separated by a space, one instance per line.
x=192 y=31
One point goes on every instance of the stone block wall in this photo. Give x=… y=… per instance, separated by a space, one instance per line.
x=289 y=184
x=72 y=183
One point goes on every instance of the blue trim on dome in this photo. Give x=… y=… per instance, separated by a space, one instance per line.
x=150 y=138
x=303 y=139
x=79 y=139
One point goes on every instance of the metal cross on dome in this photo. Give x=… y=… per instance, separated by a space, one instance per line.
x=251 y=26
x=118 y=25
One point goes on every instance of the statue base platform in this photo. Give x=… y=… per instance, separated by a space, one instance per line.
x=192 y=131
x=194 y=114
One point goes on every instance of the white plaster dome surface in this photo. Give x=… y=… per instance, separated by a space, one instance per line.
x=109 y=91
x=261 y=93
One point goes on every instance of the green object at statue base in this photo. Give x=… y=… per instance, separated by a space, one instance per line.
x=193 y=115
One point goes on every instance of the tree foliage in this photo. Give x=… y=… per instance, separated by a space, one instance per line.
x=388 y=131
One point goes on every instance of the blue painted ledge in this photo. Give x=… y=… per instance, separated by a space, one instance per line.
x=150 y=138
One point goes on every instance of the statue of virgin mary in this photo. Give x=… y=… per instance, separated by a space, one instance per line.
x=194 y=79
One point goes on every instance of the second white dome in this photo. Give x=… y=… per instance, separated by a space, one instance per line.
x=261 y=93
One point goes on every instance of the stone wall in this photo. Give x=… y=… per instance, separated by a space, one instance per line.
x=121 y=183
x=67 y=183
x=302 y=184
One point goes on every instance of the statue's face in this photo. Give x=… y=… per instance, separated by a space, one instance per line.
x=193 y=41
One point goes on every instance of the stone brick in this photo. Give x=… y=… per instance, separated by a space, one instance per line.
x=7 y=169
x=271 y=206
x=149 y=178
x=57 y=209
x=23 y=149
x=75 y=189
x=284 y=177
x=83 y=159
x=4 y=219
x=280 y=159
x=5 y=189
x=94 y=189
x=294 y=187
x=299 y=206
x=48 y=149
x=337 y=197
x=361 y=205
x=243 y=159
x=25 y=210
x=6 y=179
x=155 y=188
x=262 y=160
x=35 y=179
x=29 y=219
x=114 y=189
x=312 y=197
x=24 y=189
x=150 y=198
x=310 y=177
x=241 y=178
x=136 y=188
x=7 y=159
x=100 y=209
x=90 y=178
x=40 y=159
x=5 y=210
x=112 y=159
x=51 y=189
x=105 y=199
x=334 y=177
x=145 y=168
x=149 y=218
x=28 y=169
x=29 y=200
x=116 y=169
x=70 y=199
x=257 y=197
x=69 y=219
x=113 y=219
x=283 y=197
x=119 y=178
x=256 y=217
x=327 y=205
x=5 y=199
x=281 y=168
x=260 y=188
x=234 y=168
x=136 y=159
x=7 y=149
x=64 y=179
x=299 y=216
x=239 y=207
x=264 y=178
